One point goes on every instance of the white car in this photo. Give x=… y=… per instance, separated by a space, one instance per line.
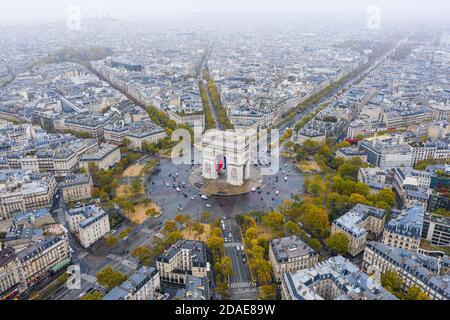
x=193 y=198
x=253 y=189
x=277 y=192
x=204 y=197
x=208 y=205
x=285 y=178
x=178 y=189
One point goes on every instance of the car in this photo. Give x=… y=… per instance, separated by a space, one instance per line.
x=178 y=189
x=223 y=217
x=208 y=205
x=253 y=189
x=204 y=197
x=167 y=184
x=285 y=178
x=193 y=197
x=277 y=192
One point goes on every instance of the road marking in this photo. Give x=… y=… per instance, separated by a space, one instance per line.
x=241 y=285
x=232 y=244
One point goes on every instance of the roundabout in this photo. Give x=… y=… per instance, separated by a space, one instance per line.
x=220 y=187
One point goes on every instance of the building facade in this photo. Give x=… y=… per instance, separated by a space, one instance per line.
x=184 y=258
x=405 y=230
x=290 y=254
x=89 y=223
x=356 y=224
x=142 y=285
x=415 y=269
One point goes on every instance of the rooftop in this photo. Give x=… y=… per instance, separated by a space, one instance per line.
x=288 y=248
x=350 y=283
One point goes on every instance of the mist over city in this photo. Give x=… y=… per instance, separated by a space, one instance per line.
x=232 y=151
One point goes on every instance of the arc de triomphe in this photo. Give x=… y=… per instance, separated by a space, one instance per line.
x=234 y=146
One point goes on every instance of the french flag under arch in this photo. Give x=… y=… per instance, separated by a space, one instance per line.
x=222 y=164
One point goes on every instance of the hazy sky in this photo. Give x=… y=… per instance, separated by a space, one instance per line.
x=26 y=10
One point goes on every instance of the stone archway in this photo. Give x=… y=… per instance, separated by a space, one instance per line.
x=234 y=147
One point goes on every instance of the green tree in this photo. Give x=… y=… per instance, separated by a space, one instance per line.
x=215 y=244
x=315 y=244
x=251 y=233
x=151 y=212
x=392 y=282
x=182 y=219
x=93 y=295
x=273 y=220
x=110 y=278
x=124 y=233
x=343 y=144
x=173 y=237
x=292 y=228
x=316 y=219
x=224 y=267
x=263 y=270
x=205 y=216
x=136 y=185
x=143 y=254
x=338 y=243
x=170 y=226
x=414 y=293
x=198 y=229
x=111 y=241
x=268 y=292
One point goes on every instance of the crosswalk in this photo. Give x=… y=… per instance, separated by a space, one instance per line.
x=80 y=255
x=232 y=244
x=239 y=285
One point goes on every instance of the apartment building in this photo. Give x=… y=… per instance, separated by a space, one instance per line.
x=387 y=152
x=431 y=149
x=436 y=229
x=290 y=254
x=333 y=279
x=357 y=223
x=38 y=259
x=105 y=158
x=377 y=179
x=412 y=186
x=142 y=285
x=351 y=153
x=77 y=187
x=24 y=191
x=89 y=223
x=196 y=288
x=405 y=230
x=440 y=112
x=138 y=133
x=61 y=161
x=184 y=258
x=428 y=273
x=10 y=273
